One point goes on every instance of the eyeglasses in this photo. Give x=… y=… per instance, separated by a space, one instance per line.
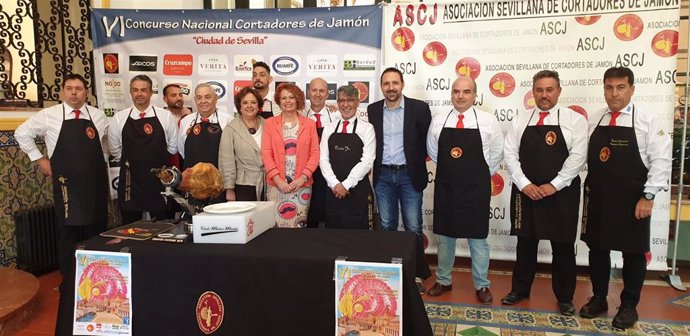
x=351 y=100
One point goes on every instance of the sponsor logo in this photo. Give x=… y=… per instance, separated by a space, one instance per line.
x=177 y=65
x=213 y=129
x=212 y=65
x=497 y=184
x=285 y=65
x=113 y=88
x=322 y=65
x=456 y=152
x=434 y=53
x=587 y=20
x=220 y=87
x=604 y=154
x=550 y=138
x=528 y=101
x=502 y=84
x=89 y=328
x=239 y=84
x=148 y=129
x=402 y=39
x=90 y=132
x=469 y=67
x=628 y=27
x=580 y=110
x=111 y=63
x=185 y=85
x=143 y=63
x=665 y=43
x=359 y=64
x=243 y=64
x=209 y=312
x=363 y=88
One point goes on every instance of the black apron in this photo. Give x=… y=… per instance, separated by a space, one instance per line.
x=462 y=189
x=80 y=175
x=202 y=143
x=267 y=113
x=319 y=189
x=614 y=184
x=542 y=153
x=352 y=212
x=143 y=147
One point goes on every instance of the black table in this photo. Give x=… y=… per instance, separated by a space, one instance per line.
x=280 y=283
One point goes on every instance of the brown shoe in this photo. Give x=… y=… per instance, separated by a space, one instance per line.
x=484 y=296
x=439 y=289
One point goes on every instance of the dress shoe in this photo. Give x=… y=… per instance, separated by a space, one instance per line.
x=596 y=306
x=484 y=296
x=626 y=317
x=513 y=298
x=439 y=289
x=566 y=308
x=420 y=286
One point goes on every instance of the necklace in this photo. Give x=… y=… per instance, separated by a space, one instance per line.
x=252 y=130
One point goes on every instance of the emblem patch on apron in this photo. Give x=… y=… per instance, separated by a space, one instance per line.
x=213 y=129
x=197 y=129
x=209 y=312
x=550 y=138
x=90 y=132
x=456 y=152
x=148 y=129
x=604 y=154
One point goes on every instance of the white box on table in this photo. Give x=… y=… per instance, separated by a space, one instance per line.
x=236 y=228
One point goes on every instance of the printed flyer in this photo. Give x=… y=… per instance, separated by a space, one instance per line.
x=368 y=299
x=103 y=293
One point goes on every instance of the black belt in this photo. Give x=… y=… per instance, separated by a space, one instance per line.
x=394 y=167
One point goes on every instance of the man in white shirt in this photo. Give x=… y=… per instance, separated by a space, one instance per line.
x=261 y=80
x=74 y=134
x=467 y=146
x=545 y=150
x=142 y=137
x=348 y=150
x=629 y=162
x=323 y=116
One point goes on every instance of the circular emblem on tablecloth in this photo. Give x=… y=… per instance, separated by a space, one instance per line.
x=148 y=129
x=90 y=132
x=213 y=129
x=550 y=138
x=456 y=152
x=197 y=129
x=209 y=312
x=604 y=154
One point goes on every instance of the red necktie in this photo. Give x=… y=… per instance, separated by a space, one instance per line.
x=614 y=115
x=460 y=124
x=204 y=119
x=345 y=123
x=76 y=114
x=542 y=116
x=142 y=115
x=318 y=120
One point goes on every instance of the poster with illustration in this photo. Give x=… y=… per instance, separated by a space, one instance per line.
x=102 y=293
x=368 y=298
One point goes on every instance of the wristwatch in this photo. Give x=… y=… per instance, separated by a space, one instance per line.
x=648 y=196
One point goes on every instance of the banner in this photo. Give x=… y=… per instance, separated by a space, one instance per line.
x=502 y=44
x=341 y=45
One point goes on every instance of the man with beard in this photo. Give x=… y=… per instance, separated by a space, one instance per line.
x=348 y=149
x=323 y=116
x=174 y=99
x=545 y=151
x=400 y=174
x=261 y=80
x=142 y=137
x=628 y=162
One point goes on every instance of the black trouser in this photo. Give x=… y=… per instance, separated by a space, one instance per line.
x=563 y=268
x=634 y=269
x=129 y=217
x=245 y=193
x=68 y=236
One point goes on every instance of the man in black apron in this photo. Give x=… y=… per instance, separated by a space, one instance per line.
x=200 y=133
x=545 y=151
x=142 y=137
x=467 y=146
x=261 y=80
x=628 y=163
x=322 y=116
x=348 y=150
x=76 y=163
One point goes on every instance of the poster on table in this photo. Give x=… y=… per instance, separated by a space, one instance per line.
x=502 y=44
x=368 y=298
x=102 y=293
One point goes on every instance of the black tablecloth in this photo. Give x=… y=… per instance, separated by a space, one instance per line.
x=280 y=283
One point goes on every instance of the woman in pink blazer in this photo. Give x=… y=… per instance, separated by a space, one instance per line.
x=290 y=151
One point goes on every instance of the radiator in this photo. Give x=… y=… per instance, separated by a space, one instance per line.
x=36 y=231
